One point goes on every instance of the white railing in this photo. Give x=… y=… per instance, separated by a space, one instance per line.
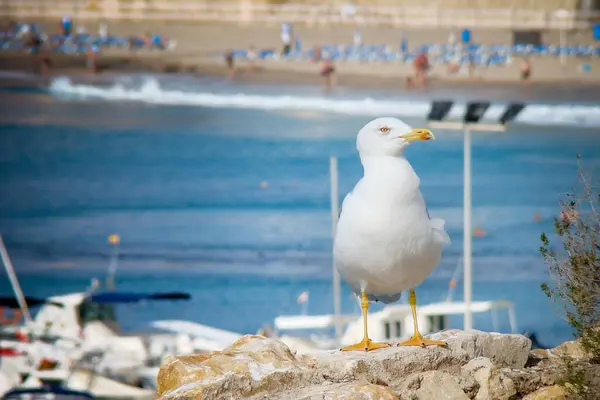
x=244 y=11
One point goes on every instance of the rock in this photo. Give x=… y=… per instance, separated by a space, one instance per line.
x=255 y=367
x=432 y=385
x=338 y=391
x=531 y=379
x=251 y=365
x=572 y=349
x=492 y=384
x=503 y=350
x=393 y=364
x=555 y=392
x=469 y=385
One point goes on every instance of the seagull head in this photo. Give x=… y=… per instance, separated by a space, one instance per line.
x=386 y=136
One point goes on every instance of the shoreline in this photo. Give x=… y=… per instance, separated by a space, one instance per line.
x=569 y=91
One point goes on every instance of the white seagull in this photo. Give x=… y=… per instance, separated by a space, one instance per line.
x=385 y=241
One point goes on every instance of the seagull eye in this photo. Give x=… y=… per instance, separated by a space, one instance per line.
x=385 y=129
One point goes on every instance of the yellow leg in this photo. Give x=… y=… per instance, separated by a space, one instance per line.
x=366 y=344
x=418 y=339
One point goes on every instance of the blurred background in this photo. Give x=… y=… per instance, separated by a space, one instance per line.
x=200 y=133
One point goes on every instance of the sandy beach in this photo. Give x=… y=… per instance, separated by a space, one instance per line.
x=200 y=49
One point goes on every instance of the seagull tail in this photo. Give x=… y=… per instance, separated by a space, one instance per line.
x=384 y=298
x=437 y=224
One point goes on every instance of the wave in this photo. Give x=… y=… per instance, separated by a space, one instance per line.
x=150 y=91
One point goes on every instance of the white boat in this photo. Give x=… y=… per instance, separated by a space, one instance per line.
x=47 y=359
x=79 y=332
x=204 y=338
x=391 y=324
x=42 y=368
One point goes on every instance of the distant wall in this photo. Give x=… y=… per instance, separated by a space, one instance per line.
x=532 y=14
x=547 y=5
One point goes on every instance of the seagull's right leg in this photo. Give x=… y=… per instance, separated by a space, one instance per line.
x=366 y=344
x=417 y=339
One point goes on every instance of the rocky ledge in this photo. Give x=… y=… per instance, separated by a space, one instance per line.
x=475 y=365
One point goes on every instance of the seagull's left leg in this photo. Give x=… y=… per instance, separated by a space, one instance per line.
x=366 y=344
x=418 y=339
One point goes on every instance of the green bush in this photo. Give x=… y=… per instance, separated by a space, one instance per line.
x=573 y=259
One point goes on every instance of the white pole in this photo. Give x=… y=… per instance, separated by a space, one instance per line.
x=14 y=282
x=333 y=173
x=468 y=236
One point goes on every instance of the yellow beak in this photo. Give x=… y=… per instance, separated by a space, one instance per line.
x=418 y=134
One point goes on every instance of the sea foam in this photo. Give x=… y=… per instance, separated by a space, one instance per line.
x=151 y=91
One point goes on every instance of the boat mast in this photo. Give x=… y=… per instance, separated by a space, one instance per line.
x=333 y=174
x=114 y=240
x=14 y=282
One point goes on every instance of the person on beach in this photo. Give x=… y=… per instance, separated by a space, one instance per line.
x=91 y=58
x=421 y=65
x=45 y=63
x=471 y=65
x=525 y=70
x=251 y=57
x=44 y=59
x=66 y=26
x=157 y=42
x=286 y=38
x=327 y=70
x=229 y=62
x=317 y=54
x=452 y=39
x=103 y=31
x=147 y=39
x=357 y=39
x=32 y=41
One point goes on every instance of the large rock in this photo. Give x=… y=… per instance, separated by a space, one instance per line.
x=571 y=349
x=394 y=364
x=432 y=385
x=492 y=384
x=504 y=350
x=334 y=391
x=527 y=380
x=252 y=364
x=555 y=392
x=255 y=367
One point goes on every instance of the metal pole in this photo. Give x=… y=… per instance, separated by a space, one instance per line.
x=333 y=173
x=468 y=236
x=14 y=282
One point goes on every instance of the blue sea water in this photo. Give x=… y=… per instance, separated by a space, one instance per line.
x=222 y=190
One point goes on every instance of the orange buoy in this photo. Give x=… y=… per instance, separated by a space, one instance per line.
x=452 y=283
x=478 y=232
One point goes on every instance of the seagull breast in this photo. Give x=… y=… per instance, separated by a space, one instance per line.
x=385 y=241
